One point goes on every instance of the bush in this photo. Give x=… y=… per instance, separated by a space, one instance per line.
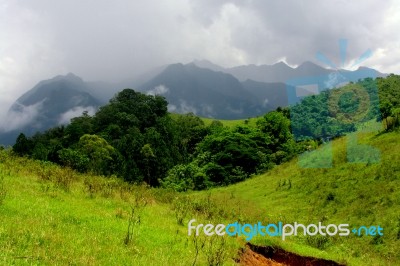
x=181 y=206
x=74 y=159
x=185 y=177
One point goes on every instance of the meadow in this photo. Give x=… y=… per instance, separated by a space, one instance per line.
x=50 y=215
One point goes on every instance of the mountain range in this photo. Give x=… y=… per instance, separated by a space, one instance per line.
x=200 y=87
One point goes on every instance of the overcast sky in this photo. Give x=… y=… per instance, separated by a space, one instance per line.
x=112 y=40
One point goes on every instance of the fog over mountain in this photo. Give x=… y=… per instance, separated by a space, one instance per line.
x=200 y=87
x=50 y=103
x=125 y=43
x=112 y=41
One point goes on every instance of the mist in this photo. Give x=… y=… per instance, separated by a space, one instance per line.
x=118 y=40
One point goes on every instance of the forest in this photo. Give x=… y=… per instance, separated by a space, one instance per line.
x=134 y=137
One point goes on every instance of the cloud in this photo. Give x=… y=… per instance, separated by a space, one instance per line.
x=115 y=40
x=20 y=116
x=75 y=112
x=265 y=102
x=207 y=110
x=172 y=108
x=185 y=108
x=265 y=31
x=159 y=90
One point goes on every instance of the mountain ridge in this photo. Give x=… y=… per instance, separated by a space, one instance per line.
x=200 y=86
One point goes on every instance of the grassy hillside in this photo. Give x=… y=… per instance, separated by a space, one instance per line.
x=228 y=123
x=53 y=216
x=232 y=123
x=354 y=193
x=50 y=215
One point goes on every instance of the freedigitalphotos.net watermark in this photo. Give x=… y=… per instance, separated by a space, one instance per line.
x=280 y=229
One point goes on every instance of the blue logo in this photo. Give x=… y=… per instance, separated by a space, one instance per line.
x=333 y=120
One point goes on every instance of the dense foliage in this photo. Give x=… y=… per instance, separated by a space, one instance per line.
x=335 y=112
x=134 y=136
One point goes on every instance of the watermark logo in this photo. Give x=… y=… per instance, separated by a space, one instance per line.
x=335 y=111
x=249 y=231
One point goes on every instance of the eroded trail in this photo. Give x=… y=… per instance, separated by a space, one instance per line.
x=273 y=256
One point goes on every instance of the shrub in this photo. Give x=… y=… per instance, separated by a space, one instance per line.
x=181 y=206
x=74 y=158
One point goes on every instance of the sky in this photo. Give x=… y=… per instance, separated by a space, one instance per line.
x=115 y=40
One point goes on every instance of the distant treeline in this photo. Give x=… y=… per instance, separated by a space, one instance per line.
x=135 y=138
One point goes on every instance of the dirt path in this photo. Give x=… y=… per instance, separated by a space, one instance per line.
x=251 y=258
x=273 y=256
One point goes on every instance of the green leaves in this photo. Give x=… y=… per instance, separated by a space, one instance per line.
x=97 y=150
x=22 y=146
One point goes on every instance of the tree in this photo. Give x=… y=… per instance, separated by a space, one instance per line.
x=277 y=126
x=74 y=159
x=22 y=145
x=386 y=110
x=148 y=158
x=131 y=109
x=97 y=150
x=78 y=127
x=226 y=153
x=396 y=116
x=191 y=131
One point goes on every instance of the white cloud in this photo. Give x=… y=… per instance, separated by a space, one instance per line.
x=159 y=90
x=20 y=116
x=104 y=40
x=75 y=112
x=184 y=108
x=172 y=108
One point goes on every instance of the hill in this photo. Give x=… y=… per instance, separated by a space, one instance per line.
x=281 y=72
x=359 y=194
x=204 y=92
x=50 y=103
x=201 y=87
x=52 y=215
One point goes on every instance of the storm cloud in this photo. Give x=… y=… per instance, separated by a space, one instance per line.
x=114 y=40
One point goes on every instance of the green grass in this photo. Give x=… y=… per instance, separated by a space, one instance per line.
x=363 y=193
x=232 y=123
x=54 y=216
x=227 y=123
x=46 y=222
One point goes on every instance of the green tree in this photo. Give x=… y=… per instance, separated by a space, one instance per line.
x=223 y=153
x=131 y=109
x=191 y=131
x=386 y=111
x=22 y=145
x=184 y=177
x=78 y=127
x=97 y=150
x=277 y=126
x=149 y=159
x=74 y=159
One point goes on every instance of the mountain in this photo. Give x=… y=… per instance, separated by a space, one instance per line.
x=264 y=73
x=281 y=72
x=201 y=87
x=269 y=95
x=50 y=103
x=209 y=65
x=189 y=88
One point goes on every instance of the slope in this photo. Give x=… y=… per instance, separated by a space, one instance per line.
x=358 y=194
x=54 y=216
